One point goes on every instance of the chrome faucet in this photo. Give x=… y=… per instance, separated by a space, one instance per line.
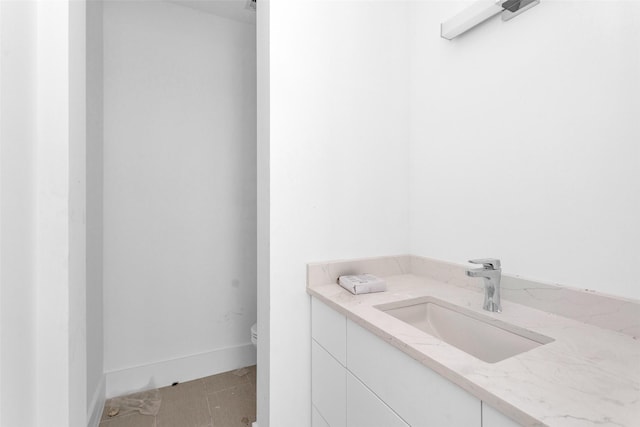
x=490 y=272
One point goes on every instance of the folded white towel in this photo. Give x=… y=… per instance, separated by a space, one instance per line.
x=362 y=283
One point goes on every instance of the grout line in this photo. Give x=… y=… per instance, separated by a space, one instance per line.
x=229 y=387
x=206 y=396
x=204 y=383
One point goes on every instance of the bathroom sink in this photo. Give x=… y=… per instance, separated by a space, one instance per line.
x=483 y=337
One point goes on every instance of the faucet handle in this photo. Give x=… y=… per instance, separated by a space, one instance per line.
x=491 y=263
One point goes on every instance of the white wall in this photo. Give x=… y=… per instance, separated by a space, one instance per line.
x=94 y=301
x=263 y=205
x=524 y=142
x=338 y=181
x=179 y=194
x=60 y=215
x=42 y=260
x=77 y=218
x=17 y=213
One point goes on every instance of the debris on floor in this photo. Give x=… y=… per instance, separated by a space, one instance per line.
x=240 y=372
x=145 y=403
x=227 y=399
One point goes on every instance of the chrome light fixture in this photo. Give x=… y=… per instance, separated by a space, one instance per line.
x=480 y=11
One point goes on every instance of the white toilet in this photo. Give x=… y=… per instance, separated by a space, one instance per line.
x=254 y=334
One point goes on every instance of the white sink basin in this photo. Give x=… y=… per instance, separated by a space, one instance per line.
x=483 y=337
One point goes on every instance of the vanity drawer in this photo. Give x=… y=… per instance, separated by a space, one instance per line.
x=364 y=409
x=328 y=328
x=417 y=394
x=328 y=387
x=316 y=418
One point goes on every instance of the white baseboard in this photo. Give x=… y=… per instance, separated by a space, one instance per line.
x=97 y=404
x=186 y=368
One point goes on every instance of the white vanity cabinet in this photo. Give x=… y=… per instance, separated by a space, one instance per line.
x=365 y=409
x=417 y=394
x=328 y=372
x=329 y=329
x=493 y=418
x=359 y=380
x=316 y=418
x=328 y=386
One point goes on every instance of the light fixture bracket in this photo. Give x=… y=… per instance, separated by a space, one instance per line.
x=480 y=11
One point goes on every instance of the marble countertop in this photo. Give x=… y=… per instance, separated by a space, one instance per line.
x=587 y=376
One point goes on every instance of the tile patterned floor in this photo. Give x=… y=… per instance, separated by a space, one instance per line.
x=223 y=400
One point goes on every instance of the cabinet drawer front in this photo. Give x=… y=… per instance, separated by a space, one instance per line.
x=316 y=418
x=328 y=328
x=328 y=386
x=493 y=418
x=364 y=409
x=420 y=396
